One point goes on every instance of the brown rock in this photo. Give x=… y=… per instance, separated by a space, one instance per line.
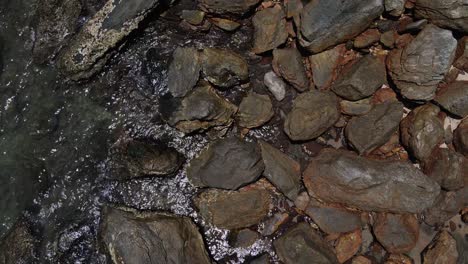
x=224 y=68
x=325 y=65
x=460 y=137
x=397 y=233
x=271 y=225
x=225 y=24
x=288 y=63
x=462 y=54
x=367 y=38
x=455 y=99
x=446 y=206
x=388 y=39
x=448 y=168
x=398 y=259
x=255 y=110
x=270 y=29
x=361 y=260
x=442 y=251
x=239 y=7
x=334 y=220
x=348 y=245
x=244 y=238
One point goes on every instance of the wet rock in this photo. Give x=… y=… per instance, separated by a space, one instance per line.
x=446 y=206
x=233 y=209
x=362 y=79
x=462 y=54
x=372 y=185
x=395 y=7
x=184 y=71
x=270 y=29
x=271 y=225
x=151 y=238
x=348 y=245
x=244 y=238
x=342 y=19
x=301 y=244
x=418 y=68
x=18 y=245
x=422 y=131
x=448 y=168
x=202 y=109
x=226 y=163
x=448 y=14
x=224 y=68
x=370 y=131
x=255 y=110
x=288 y=63
x=460 y=137
x=455 y=99
x=397 y=233
x=240 y=7
x=442 y=250
x=312 y=114
x=276 y=85
x=367 y=38
x=90 y=48
x=334 y=220
x=225 y=24
x=324 y=66
x=194 y=17
x=356 y=108
x=281 y=170
x=56 y=19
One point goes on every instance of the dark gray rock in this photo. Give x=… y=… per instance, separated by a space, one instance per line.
x=263 y=259
x=312 y=114
x=460 y=137
x=255 y=110
x=447 y=205
x=288 y=63
x=455 y=99
x=132 y=237
x=343 y=20
x=462 y=54
x=448 y=168
x=227 y=164
x=239 y=7
x=422 y=131
x=451 y=14
x=302 y=245
x=18 y=246
x=270 y=29
x=244 y=238
x=397 y=233
x=356 y=108
x=395 y=7
x=362 y=79
x=334 y=220
x=372 y=185
x=372 y=130
x=233 y=209
x=184 y=71
x=281 y=170
x=442 y=250
x=418 y=68
x=224 y=68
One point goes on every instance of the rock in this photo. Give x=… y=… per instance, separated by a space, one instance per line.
x=462 y=54
x=275 y=84
x=455 y=99
x=397 y=233
x=224 y=68
x=239 y=8
x=418 y=68
x=131 y=237
x=255 y=110
x=288 y=63
x=356 y=108
x=202 y=109
x=422 y=131
x=270 y=29
x=361 y=80
x=348 y=245
x=56 y=19
x=442 y=250
x=324 y=66
x=372 y=130
x=184 y=71
x=370 y=185
x=398 y=259
x=448 y=14
x=460 y=137
x=225 y=24
x=90 y=48
x=413 y=27
x=18 y=245
x=388 y=39
x=194 y=17
x=312 y=114
x=281 y=170
x=342 y=19
x=367 y=38
x=334 y=220
x=271 y=225
x=361 y=260
x=142 y=158
x=446 y=206
x=244 y=238
x=448 y=168
x=302 y=201
x=301 y=244
x=395 y=7
x=263 y=259
x=233 y=209
x=227 y=164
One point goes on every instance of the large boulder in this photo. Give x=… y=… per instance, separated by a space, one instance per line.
x=451 y=14
x=312 y=114
x=288 y=63
x=227 y=164
x=418 y=68
x=398 y=233
x=371 y=185
x=270 y=29
x=238 y=7
x=325 y=24
x=133 y=237
x=455 y=99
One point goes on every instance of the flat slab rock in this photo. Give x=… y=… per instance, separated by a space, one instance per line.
x=398 y=233
x=342 y=19
x=233 y=209
x=334 y=220
x=451 y=14
x=370 y=185
x=455 y=99
x=301 y=244
x=238 y=7
x=131 y=237
x=418 y=68
x=227 y=164
x=270 y=29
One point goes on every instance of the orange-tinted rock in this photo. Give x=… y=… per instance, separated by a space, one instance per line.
x=397 y=233
x=348 y=245
x=442 y=251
